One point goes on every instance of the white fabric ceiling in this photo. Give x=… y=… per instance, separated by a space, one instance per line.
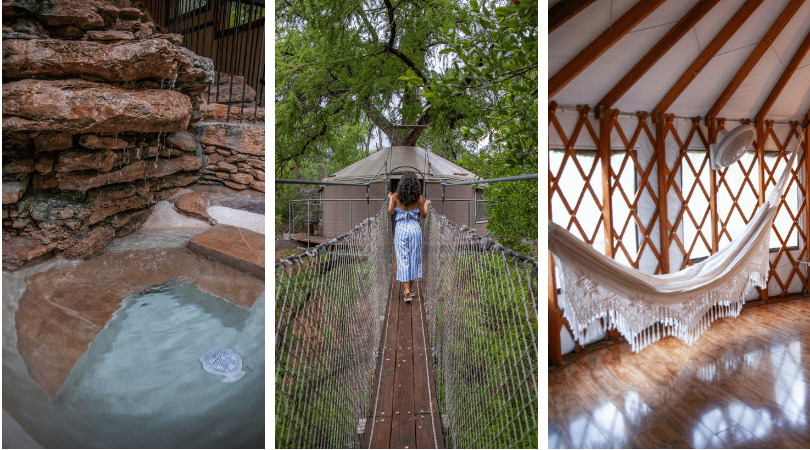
x=596 y=80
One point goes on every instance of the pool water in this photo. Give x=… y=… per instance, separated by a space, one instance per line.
x=140 y=383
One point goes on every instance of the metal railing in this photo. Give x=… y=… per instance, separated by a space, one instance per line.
x=480 y=303
x=304 y=211
x=231 y=34
x=328 y=304
x=481 y=312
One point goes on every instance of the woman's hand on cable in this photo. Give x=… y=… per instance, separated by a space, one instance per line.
x=391 y=203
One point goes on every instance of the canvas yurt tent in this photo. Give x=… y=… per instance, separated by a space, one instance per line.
x=374 y=170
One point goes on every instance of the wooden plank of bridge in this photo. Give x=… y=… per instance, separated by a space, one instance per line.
x=382 y=398
x=403 y=401
x=428 y=435
x=403 y=428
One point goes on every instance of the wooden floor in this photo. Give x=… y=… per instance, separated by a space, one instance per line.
x=743 y=384
x=404 y=407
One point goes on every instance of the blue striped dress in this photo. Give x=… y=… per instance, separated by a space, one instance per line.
x=408 y=245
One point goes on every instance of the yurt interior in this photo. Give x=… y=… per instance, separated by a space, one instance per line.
x=679 y=223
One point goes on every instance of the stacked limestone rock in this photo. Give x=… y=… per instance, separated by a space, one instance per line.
x=234 y=150
x=230 y=91
x=96 y=111
x=235 y=154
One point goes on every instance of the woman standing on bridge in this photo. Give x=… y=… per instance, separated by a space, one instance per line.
x=408 y=204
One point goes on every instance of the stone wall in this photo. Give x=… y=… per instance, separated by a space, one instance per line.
x=234 y=154
x=97 y=107
x=234 y=150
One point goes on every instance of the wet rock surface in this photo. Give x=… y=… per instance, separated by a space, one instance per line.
x=62 y=311
x=152 y=59
x=253 y=205
x=97 y=102
x=12 y=190
x=244 y=138
x=135 y=171
x=194 y=205
x=81 y=14
x=218 y=112
x=237 y=247
x=79 y=106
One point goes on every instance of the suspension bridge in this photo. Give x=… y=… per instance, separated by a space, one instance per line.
x=358 y=367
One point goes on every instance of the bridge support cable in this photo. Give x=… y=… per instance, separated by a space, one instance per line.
x=481 y=312
x=469 y=341
x=329 y=302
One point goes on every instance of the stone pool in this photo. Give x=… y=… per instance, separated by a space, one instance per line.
x=105 y=353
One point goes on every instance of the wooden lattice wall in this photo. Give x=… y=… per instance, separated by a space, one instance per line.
x=669 y=217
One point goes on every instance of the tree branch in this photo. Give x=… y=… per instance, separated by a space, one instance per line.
x=514 y=73
x=376 y=117
x=371 y=29
x=391 y=22
x=282 y=161
x=416 y=132
x=407 y=62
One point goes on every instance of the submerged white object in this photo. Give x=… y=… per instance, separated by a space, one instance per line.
x=733 y=144
x=223 y=362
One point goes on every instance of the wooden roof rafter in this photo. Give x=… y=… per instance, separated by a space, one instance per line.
x=686 y=23
x=707 y=54
x=564 y=10
x=801 y=52
x=763 y=45
x=601 y=44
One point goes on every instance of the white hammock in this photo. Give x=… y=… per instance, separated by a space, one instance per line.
x=645 y=308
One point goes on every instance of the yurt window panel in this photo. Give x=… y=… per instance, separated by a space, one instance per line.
x=576 y=193
x=785 y=232
x=634 y=193
x=689 y=192
x=632 y=208
x=737 y=196
x=697 y=218
x=779 y=140
x=788 y=236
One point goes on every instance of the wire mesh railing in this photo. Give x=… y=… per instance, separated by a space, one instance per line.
x=481 y=308
x=480 y=302
x=328 y=306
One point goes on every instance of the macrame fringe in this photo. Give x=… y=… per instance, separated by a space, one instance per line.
x=666 y=325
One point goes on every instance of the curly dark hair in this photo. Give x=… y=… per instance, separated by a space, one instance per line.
x=408 y=190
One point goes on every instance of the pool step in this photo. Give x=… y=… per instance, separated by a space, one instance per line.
x=237 y=247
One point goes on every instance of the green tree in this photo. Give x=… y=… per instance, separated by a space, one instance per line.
x=495 y=57
x=338 y=62
x=341 y=62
